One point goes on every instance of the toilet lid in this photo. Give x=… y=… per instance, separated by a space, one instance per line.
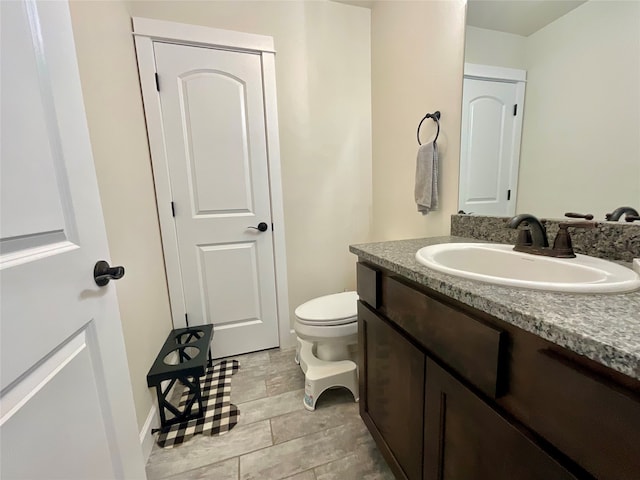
x=336 y=309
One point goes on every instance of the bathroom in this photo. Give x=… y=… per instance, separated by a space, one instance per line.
x=353 y=81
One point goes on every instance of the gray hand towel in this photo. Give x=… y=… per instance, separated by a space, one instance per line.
x=426 y=192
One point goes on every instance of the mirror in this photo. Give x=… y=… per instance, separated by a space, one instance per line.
x=580 y=138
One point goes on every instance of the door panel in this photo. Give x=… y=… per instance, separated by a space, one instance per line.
x=487 y=149
x=226 y=269
x=393 y=396
x=486 y=143
x=62 y=413
x=215 y=143
x=465 y=439
x=215 y=121
x=42 y=399
x=28 y=220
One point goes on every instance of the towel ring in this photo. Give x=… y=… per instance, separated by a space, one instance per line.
x=436 y=117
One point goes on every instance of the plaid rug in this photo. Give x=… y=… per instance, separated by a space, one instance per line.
x=220 y=415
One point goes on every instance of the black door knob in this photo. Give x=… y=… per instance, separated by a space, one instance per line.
x=263 y=227
x=102 y=273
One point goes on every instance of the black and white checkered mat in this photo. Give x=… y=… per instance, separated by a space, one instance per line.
x=220 y=415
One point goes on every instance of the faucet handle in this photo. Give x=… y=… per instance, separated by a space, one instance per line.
x=524 y=238
x=577 y=224
x=586 y=216
x=562 y=245
x=631 y=218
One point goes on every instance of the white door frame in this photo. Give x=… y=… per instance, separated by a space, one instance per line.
x=145 y=32
x=519 y=78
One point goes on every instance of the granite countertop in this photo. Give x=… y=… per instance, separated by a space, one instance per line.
x=602 y=327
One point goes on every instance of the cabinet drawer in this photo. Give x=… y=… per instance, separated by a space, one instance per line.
x=469 y=346
x=368 y=284
x=593 y=421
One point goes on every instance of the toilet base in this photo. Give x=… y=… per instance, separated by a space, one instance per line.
x=331 y=351
x=321 y=374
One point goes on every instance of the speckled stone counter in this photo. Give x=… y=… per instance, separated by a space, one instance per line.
x=602 y=327
x=610 y=240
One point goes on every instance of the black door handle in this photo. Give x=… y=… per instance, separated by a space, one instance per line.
x=263 y=227
x=102 y=273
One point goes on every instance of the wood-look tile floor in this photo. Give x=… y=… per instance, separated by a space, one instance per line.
x=276 y=438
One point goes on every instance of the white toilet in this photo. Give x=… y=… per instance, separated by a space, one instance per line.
x=325 y=327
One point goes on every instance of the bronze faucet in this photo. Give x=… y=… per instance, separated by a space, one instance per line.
x=537 y=242
x=538 y=231
x=618 y=212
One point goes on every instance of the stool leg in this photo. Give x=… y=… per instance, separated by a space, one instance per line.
x=352 y=385
x=310 y=395
x=315 y=384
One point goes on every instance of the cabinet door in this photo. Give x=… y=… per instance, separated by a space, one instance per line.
x=465 y=439
x=590 y=418
x=392 y=392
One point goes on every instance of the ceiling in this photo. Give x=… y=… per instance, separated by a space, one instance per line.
x=521 y=17
x=357 y=3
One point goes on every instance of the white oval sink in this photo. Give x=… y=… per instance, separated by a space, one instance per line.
x=499 y=264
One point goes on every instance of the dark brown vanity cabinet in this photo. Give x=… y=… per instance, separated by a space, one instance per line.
x=451 y=393
x=465 y=439
x=392 y=369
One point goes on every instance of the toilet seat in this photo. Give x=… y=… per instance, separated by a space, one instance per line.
x=327 y=323
x=347 y=332
x=329 y=310
x=328 y=317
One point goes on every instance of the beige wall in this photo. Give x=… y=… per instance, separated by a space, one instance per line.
x=417 y=61
x=581 y=142
x=490 y=47
x=324 y=101
x=113 y=104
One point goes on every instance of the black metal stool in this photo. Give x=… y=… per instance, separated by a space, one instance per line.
x=192 y=346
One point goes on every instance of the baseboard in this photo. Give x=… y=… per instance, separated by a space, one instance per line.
x=146 y=438
x=289 y=340
x=153 y=420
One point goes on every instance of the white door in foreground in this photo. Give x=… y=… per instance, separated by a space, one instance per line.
x=66 y=407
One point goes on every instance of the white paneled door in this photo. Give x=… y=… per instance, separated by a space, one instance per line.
x=213 y=120
x=490 y=147
x=66 y=406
